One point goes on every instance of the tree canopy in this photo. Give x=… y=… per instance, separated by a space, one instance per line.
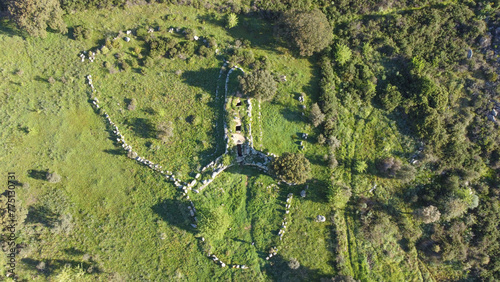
x=34 y=16
x=309 y=30
x=292 y=167
x=259 y=84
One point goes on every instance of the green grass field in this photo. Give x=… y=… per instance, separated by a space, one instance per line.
x=117 y=220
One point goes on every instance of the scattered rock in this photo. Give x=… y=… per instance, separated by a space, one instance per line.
x=320 y=218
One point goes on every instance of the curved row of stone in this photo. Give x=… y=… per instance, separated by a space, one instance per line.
x=216 y=165
x=120 y=139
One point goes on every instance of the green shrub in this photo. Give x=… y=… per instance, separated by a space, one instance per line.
x=117 y=43
x=80 y=33
x=206 y=52
x=292 y=167
x=231 y=20
x=259 y=84
x=148 y=62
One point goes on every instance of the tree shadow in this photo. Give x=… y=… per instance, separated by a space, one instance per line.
x=52 y=265
x=312 y=88
x=204 y=79
x=115 y=152
x=8 y=28
x=292 y=115
x=38 y=174
x=279 y=269
x=42 y=215
x=142 y=127
x=175 y=213
x=317 y=190
x=72 y=251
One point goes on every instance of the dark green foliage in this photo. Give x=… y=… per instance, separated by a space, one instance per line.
x=34 y=16
x=206 y=52
x=316 y=116
x=406 y=173
x=309 y=30
x=259 y=84
x=81 y=33
x=124 y=65
x=243 y=57
x=189 y=34
x=293 y=168
x=390 y=98
x=454 y=207
x=389 y=166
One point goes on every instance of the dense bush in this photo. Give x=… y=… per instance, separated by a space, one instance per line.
x=293 y=168
x=259 y=84
x=80 y=33
x=35 y=16
x=309 y=30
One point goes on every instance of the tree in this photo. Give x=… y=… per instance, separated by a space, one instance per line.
x=428 y=214
x=34 y=16
x=259 y=84
x=454 y=207
x=390 y=98
x=310 y=31
x=389 y=166
x=317 y=117
x=342 y=54
x=292 y=167
x=332 y=161
x=360 y=166
x=406 y=173
x=232 y=20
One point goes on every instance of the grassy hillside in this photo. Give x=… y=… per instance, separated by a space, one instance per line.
x=407 y=125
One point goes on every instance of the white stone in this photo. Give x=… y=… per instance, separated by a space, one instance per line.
x=320 y=218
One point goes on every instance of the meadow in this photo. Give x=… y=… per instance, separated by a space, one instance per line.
x=112 y=219
x=109 y=217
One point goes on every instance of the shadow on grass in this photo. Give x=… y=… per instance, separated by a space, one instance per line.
x=74 y=252
x=115 y=152
x=257 y=31
x=205 y=79
x=42 y=215
x=317 y=190
x=50 y=266
x=312 y=88
x=292 y=115
x=279 y=269
x=176 y=213
x=38 y=174
x=142 y=127
x=7 y=28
